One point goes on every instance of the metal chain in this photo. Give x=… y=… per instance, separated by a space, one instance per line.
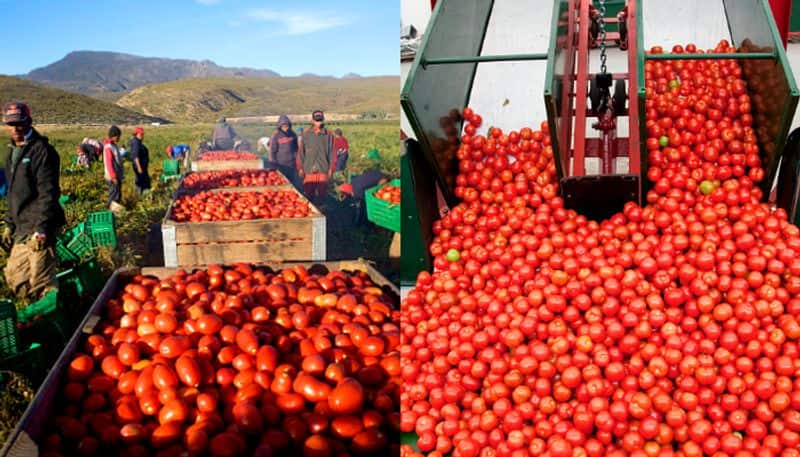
x=603 y=68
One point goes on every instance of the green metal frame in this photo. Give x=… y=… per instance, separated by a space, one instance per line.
x=437 y=66
x=414 y=255
x=747 y=20
x=424 y=71
x=794 y=21
x=641 y=96
x=554 y=82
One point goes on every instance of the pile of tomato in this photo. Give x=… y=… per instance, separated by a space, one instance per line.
x=233 y=362
x=234 y=206
x=389 y=193
x=205 y=180
x=227 y=155
x=666 y=330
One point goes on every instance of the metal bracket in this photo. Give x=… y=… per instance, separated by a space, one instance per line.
x=170 y=245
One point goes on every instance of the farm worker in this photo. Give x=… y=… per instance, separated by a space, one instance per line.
x=283 y=148
x=34 y=216
x=342 y=150
x=140 y=157
x=369 y=178
x=315 y=159
x=92 y=147
x=113 y=168
x=360 y=183
x=177 y=151
x=84 y=155
x=223 y=136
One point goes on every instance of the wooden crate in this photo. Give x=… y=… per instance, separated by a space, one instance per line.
x=181 y=190
x=210 y=165
x=29 y=429
x=254 y=240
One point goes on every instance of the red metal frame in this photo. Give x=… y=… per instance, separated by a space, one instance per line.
x=565 y=135
x=782 y=12
x=580 y=89
x=572 y=134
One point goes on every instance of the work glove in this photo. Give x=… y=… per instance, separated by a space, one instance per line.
x=8 y=239
x=38 y=241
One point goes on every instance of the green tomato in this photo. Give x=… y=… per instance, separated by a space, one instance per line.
x=663 y=141
x=706 y=187
x=674 y=83
x=452 y=255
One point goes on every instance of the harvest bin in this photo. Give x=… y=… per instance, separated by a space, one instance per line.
x=224 y=242
x=181 y=190
x=21 y=442
x=443 y=75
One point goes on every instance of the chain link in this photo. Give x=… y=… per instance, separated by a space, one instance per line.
x=603 y=68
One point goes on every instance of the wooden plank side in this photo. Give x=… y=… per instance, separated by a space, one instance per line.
x=210 y=165
x=253 y=229
x=255 y=252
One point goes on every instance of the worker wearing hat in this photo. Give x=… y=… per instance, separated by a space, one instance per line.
x=315 y=158
x=223 y=137
x=140 y=157
x=34 y=216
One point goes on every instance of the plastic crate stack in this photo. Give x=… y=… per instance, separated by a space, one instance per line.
x=81 y=242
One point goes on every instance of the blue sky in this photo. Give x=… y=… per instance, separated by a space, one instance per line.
x=311 y=36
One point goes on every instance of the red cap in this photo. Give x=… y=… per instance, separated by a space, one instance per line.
x=138 y=130
x=16 y=113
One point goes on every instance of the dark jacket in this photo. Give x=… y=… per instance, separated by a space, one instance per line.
x=139 y=150
x=364 y=181
x=283 y=145
x=33 y=190
x=316 y=152
x=223 y=136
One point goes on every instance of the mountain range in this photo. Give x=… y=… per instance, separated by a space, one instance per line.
x=100 y=86
x=91 y=72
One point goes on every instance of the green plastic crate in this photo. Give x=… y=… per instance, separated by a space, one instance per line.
x=8 y=328
x=78 y=241
x=64 y=254
x=105 y=238
x=29 y=363
x=64 y=199
x=43 y=307
x=83 y=279
x=70 y=284
x=91 y=276
x=381 y=212
x=100 y=219
x=101 y=228
x=171 y=168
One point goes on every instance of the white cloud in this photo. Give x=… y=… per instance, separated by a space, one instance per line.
x=207 y=2
x=297 y=23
